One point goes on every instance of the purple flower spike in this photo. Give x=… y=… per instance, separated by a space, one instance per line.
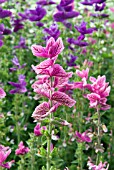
x=83 y=30
x=20 y=87
x=61 y=16
x=71 y=62
x=39 y=24
x=77 y=42
x=17 y=25
x=22 y=150
x=65 y=11
x=100 y=8
x=17 y=65
x=37 y=14
x=21 y=43
x=53 y=31
x=15 y=61
x=5 y=13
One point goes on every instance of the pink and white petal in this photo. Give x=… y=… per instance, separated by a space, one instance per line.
x=40 y=111
x=105 y=107
x=101 y=80
x=93 y=103
x=45 y=64
x=50 y=43
x=2 y=93
x=43 y=92
x=56 y=49
x=106 y=92
x=63 y=98
x=39 y=51
x=58 y=71
x=92 y=79
x=93 y=97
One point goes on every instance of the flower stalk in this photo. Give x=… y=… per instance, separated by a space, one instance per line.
x=98 y=134
x=49 y=137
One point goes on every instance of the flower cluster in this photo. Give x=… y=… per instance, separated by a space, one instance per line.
x=21 y=44
x=99 y=89
x=99 y=92
x=53 y=31
x=20 y=87
x=38 y=129
x=4 y=153
x=99 y=6
x=22 y=150
x=44 y=86
x=101 y=166
x=3 y=31
x=65 y=11
x=16 y=64
x=82 y=29
x=82 y=137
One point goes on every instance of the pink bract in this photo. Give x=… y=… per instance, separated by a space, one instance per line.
x=83 y=73
x=51 y=50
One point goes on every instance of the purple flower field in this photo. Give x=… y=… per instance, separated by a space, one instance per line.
x=57 y=85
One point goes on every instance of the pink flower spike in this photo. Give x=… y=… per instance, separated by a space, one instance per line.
x=2 y=93
x=83 y=73
x=63 y=99
x=22 y=150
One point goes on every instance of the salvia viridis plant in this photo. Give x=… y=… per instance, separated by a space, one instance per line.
x=56 y=85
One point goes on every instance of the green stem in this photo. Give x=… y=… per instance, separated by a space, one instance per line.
x=99 y=122
x=49 y=137
x=17 y=132
x=48 y=146
x=98 y=135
